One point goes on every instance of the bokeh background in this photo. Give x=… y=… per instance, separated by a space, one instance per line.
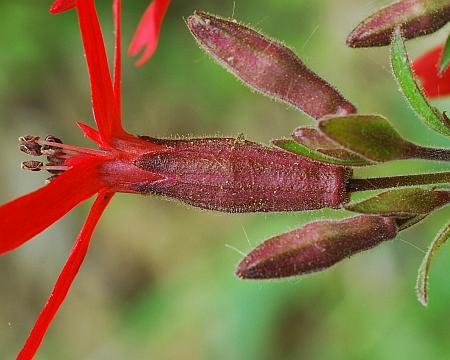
x=158 y=282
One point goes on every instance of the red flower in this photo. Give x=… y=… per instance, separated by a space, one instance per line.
x=147 y=33
x=83 y=172
x=426 y=67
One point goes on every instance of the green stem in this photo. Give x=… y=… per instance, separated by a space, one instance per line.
x=355 y=185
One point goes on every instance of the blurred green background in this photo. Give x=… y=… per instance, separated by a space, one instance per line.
x=158 y=281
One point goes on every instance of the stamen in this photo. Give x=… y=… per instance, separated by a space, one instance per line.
x=29 y=138
x=75 y=149
x=53 y=139
x=56 y=151
x=55 y=169
x=51 y=149
x=39 y=165
x=32 y=165
x=28 y=145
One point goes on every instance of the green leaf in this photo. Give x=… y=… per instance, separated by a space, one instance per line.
x=314 y=139
x=402 y=202
x=422 y=278
x=371 y=136
x=445 y=57
x=408 y=85
x=300 y=149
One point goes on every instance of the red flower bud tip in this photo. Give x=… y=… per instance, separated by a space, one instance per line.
x=426 y=68
x=266 y=66
x=236 y=175
x=415 y=17
x=315 y=246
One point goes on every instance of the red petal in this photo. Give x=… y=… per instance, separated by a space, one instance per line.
x=426 y=67
x=62 y=5
x=147 y=33
x=65 y=278
x=117 y=55
x=90 y=133
x=106 y=113
x=27 y=216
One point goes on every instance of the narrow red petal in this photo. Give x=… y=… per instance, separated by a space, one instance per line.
x=27 y=216
x=426 y=67
x=62 y=5
x=147 y=33
x=65 y=278
x=90 y=132
x=117 y=55
x=106 y=113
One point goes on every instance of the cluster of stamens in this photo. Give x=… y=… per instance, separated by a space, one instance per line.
x=53 y=148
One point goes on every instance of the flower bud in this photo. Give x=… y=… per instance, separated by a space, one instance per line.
x=235 y=175
x=266 y=66
x=415 y=17
x=316 y=246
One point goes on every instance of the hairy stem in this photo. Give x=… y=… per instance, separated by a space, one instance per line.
x=431 y=154
x=356 y=185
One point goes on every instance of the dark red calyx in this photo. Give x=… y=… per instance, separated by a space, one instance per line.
x=235 y=175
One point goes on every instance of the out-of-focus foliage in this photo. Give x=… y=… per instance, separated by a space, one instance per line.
x=159 y=279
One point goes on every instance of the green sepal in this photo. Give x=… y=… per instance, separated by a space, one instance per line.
x=314 y=139
x=403 y=202
x=371 y=136
x=300 y=149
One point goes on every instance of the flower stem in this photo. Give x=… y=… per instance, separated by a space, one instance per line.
x=356 y=185
x=431 y=153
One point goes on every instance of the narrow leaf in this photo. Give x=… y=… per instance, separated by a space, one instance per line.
x=300 y=149
x=402 y=71
x=422 y=278
x=314 y=139
x=402 y=202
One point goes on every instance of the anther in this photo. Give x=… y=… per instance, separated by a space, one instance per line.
x=32 y=165
x=29 y=145
x=53 y=139
x=32 y=149
x=48 y=149
x=29 y=138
